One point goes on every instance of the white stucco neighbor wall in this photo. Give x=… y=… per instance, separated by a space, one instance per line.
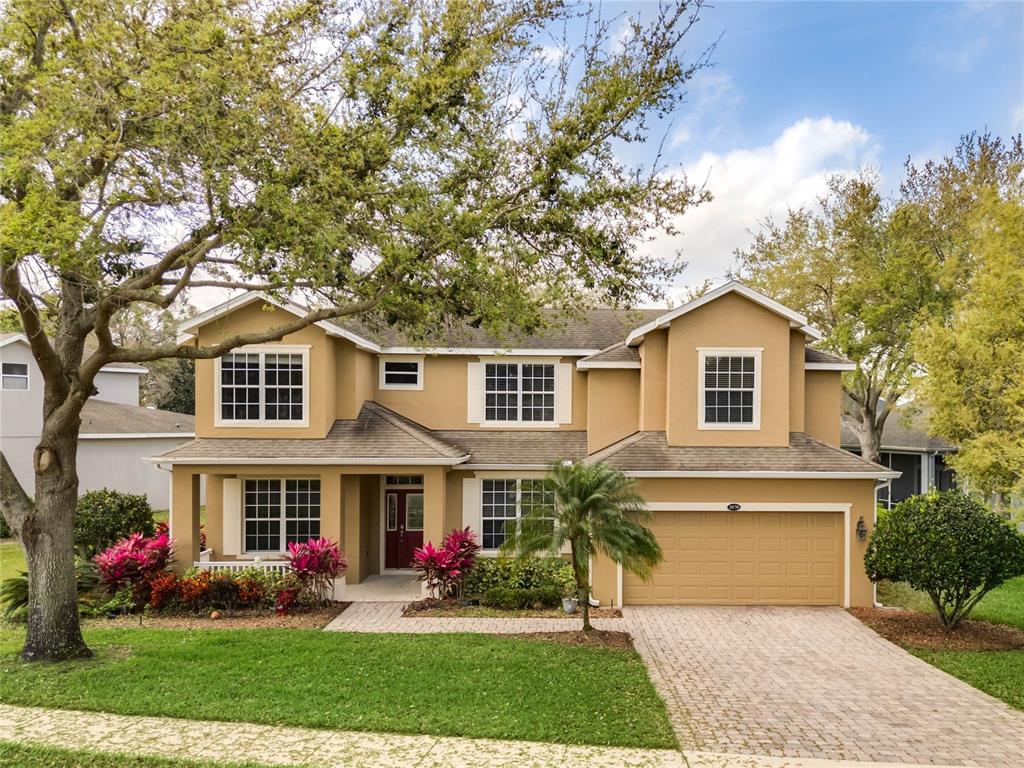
x=117 y=387
x=119 y=464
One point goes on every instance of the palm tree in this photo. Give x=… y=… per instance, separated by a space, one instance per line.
x=593 y=507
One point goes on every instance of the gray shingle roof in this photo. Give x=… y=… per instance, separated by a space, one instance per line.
x=812 y=355
x=594 y=328
x=517 y=446
x=616 y=353
x=647 y=451
x=377 y=433
x=100 y=417
x=902 y=431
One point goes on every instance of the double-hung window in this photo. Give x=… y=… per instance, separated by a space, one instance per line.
x=730 y=389
x=519 y=392
x=263 y=387
x=504 y=501
x=14 y=376
x=278 y=512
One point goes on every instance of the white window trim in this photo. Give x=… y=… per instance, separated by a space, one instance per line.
x=262 y=421
x=520 y=423
x=282 y=518
x=518 y=477
x=27 y=377
x=705 y=352
x=384 y=359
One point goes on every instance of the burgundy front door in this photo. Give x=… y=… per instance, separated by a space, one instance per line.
x=403 y=527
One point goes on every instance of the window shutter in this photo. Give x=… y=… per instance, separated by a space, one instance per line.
x=475 y=393
x=471 y=505
x=563 y=393
x=232 y=516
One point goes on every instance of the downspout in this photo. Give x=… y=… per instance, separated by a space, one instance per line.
x=878 y=485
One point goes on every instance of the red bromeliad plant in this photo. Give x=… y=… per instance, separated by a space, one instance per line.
x=317 y=563
x=443 y=569
x=132 y=560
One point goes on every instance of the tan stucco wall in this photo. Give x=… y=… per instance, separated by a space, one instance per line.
x=442 y=403
x=823 y=406
x=249 y=319
x=797 y=347
x=730 y=321
x=613 y=406
x=354 y=372
x=653 y=380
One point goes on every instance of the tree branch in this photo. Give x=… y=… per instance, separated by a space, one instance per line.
x=15 y=505
x=42 y=350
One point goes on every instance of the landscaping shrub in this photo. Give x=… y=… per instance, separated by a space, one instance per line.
x=221 y=591
x=531 y=573
x=513 y=598
x=252 y=591
x=287 y=594
x=444 y=569
x=316 y=563
x=163 y=589
x=5 y=530
x=131 y=560
x=105 y=517
x=194 y=591
x=947 y=545
x=14 y=591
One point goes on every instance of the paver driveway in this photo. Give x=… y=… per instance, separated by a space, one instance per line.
x=815 y=682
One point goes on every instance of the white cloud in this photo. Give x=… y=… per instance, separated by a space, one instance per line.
x=749 y=185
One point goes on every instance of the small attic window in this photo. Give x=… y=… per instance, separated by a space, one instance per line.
x=401 y=373
x=15 y=376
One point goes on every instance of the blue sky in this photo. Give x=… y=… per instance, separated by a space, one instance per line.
x=801 y=89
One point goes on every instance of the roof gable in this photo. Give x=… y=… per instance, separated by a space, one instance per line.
x=796 y=319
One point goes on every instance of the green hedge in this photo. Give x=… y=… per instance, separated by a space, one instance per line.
x=106 y=516
x=534 y=573
x=510 y=598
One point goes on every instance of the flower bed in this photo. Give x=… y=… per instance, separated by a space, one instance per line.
x=452 y=608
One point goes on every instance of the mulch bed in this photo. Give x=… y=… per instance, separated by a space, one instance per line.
x=316 y=618
x=597 y=638
x=922 y=630
x=432 y=608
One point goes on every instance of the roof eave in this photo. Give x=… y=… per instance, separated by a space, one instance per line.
x=830 y=366
x=317 y=461
x=766 y=474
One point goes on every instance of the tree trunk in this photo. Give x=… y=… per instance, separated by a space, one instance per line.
x=582 y=576
x=47 y=536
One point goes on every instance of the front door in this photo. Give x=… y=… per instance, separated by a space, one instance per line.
x=403 y=527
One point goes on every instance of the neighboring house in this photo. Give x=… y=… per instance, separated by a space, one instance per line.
x=116 y=434
x=908 y=448
x=726 y=418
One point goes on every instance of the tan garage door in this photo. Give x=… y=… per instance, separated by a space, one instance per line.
x=744 y=558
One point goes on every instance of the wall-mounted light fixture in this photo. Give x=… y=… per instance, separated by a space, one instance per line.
x=862 y=530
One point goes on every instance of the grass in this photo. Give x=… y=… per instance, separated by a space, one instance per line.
x=480 y=686
x=998 y=673
x=1003 y=605
x=12 y=559
x=25 y=756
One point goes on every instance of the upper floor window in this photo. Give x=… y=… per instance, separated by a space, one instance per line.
x=401 y=373
x=519 y=392
x=730 y=389
x=263 y=386
x=14 y=376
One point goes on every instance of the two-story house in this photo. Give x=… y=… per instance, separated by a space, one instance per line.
x=117 y=434
x=725 y=416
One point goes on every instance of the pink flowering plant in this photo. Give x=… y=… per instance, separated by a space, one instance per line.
x=443 y=569
x=316 y=563
x=133 y=560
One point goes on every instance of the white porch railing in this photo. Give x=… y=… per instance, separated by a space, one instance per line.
x=233 y=566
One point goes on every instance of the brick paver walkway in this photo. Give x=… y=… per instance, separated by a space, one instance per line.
x=814 y=682
x=387 y=617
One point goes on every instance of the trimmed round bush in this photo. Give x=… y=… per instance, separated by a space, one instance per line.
x=105 y=517
x=947 y=545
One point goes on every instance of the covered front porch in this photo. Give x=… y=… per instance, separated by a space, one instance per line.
x=377 y=513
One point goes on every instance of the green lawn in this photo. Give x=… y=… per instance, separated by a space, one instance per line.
x=23 y=756
x=998 y=673
x=453 y=685
x=1003 y=605
x=12 y=559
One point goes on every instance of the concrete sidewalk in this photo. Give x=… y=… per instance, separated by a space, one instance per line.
x=275 y=745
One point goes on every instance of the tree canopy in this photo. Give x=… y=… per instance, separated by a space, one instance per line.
x=414 y=161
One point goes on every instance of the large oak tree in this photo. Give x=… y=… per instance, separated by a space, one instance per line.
x=417 y=161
